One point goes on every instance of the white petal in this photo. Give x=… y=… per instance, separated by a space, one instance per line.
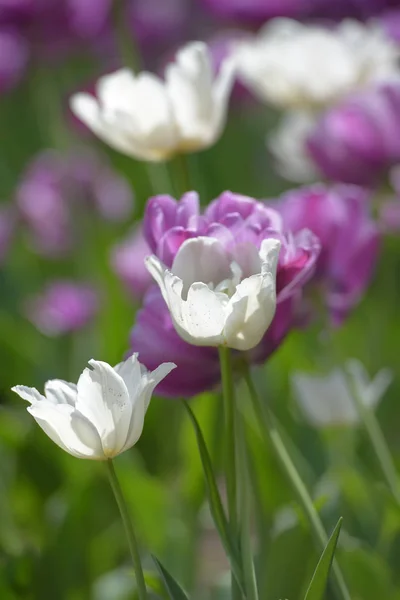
x=149 y=381
x=221 y=92
x=152 y=378
x=116 y=91
x=201 y=318
x=131 y=373
x=189 y=85
x=325 y=400
x=201 y=259
x=269 y=255
x=158 y=271
x=251 y=310
x=29 y=394
x=61 y=392
x=87 y=109
x=104 y=400
x=68 y=429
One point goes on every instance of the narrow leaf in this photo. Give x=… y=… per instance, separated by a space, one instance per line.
x=214 y=499
x=319 y=581
x=173 y=588
x=245 y=515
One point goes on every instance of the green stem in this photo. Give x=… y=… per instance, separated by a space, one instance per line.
x=377 y=440
x=269 y=427
x=127 y=45
x=230 y=447
x=130 y=534
x=180 y=169
x=245 y=508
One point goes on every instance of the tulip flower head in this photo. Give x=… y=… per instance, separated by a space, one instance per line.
x=103 y=414
x=326 y=401
x=217 y=301
x=151 y=119
x=293 y=65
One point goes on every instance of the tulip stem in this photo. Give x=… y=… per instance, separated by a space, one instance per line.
x=377 y=440
x=230 y=447
x=128 y=48
x=270 y=430
x=130 y=534
x=180 y=167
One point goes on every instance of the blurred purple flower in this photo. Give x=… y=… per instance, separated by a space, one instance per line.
x=55 y=186
x=358 y=140
x=42 y=207
x=47 y=29
x=235 y=220
x=389 y=208
x=258 y=11
x=127 y=260
x=155 y=22
x=349 y=238
x=14 y=55
x=64 y=306
x=7 y=227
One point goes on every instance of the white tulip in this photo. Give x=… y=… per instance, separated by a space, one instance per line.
x=327 y=400
x=287 y=144
x=210 y=302
x=151 y=119
x=103 y=415
x=294 y=65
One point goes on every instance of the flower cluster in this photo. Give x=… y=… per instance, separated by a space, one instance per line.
x=221 y=263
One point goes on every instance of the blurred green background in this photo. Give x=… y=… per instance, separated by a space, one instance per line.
x=60 y=533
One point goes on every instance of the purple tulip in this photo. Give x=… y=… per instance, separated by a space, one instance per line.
x=258 y=11
x=235 y=220
x=127 y=260
x=359 y=140
x=154 y=22
x=389 y=208
x=64 y=306
x=14 y=54
x=349 y=238
x=58 y=189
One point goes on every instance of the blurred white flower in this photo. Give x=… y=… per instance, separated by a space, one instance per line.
x=210 y=302
x=103 y=415
x=287 y=146
x=327 y=401
x=151 y=119
x=294 y=65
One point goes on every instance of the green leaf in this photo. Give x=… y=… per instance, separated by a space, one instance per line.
x=245 y=493
x=172 y=586
x=215 y=503
x=319 y=581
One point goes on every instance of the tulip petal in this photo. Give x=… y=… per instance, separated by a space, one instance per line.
x=61 y=392
x=68 y=429
x=29 y=394
x=252 y=309
x=104 y=400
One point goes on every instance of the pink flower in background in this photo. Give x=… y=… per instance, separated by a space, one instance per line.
x=339 y=217
x=127 y=260
x=358 y=140
x=14 y=54
x=258 y=11
x=234 y=220
x=63 y=306
x=7 y=228
x=56 y=192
